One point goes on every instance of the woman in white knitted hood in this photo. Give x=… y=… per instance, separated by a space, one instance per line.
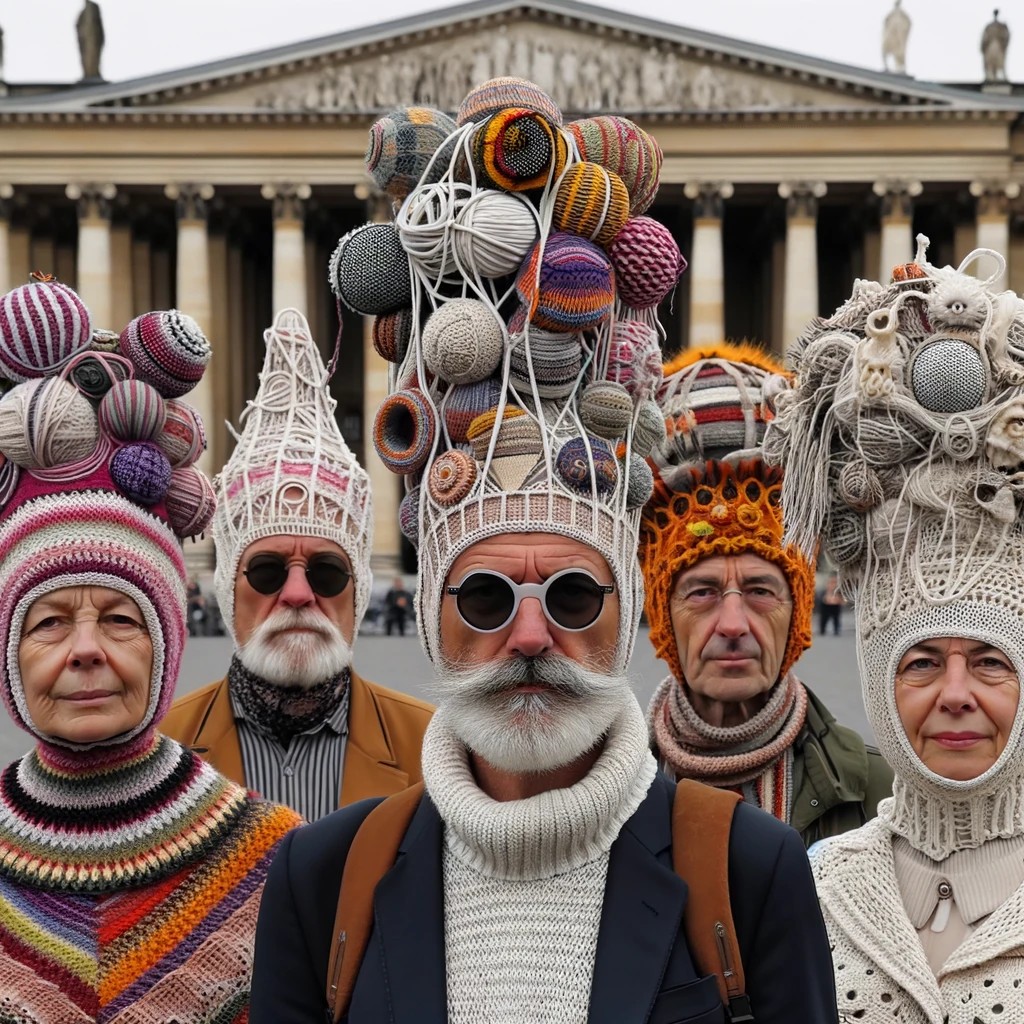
x=903 y=442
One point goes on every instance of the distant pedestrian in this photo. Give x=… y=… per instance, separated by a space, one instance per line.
x=397 y=606
x=196 y=608
x=831 y=608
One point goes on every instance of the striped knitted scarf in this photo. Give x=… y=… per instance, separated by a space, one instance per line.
x=754 y=759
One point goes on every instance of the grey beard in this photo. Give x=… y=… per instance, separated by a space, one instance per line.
x=289 y=659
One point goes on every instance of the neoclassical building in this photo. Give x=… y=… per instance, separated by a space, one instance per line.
x=223 y=188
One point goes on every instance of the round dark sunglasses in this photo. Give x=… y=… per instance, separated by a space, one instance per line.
x=488 y=601
x=327 y=575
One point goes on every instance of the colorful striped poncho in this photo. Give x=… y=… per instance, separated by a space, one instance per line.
x=129 y=890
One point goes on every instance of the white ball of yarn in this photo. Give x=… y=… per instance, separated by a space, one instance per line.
x=493 y=232
x=424 y=224
x=463 y=341
x=47 y=422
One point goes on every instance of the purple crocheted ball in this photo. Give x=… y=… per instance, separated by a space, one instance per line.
x=647 y=262
x=142 y=472
x=168 y=351
x=465 y=402
x=583 y=472
x=42 y=326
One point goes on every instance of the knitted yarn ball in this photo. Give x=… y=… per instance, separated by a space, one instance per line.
x=424 y=226
x=556 y=360
x=621 y=146
x=606 y=409
x=191 y=502
x=462 y=405
x=168 y=351
x=42 y=326
x=409 y=516
x=648 y=429
x=647 y=262
x=499 y=93
x=403 y=431
x=95 y=373
x=182 y=438
x=369 y=270
x=141 y=471
x=584 y=471
x=591 y=201
x=132 y=411
x=519 y=150
x=463 y=341
x=639 y=482
x=567 y=284
x=47 y=422
x=401 y=146
x=493 y=232
x=10 y=474
x=517 y=433
x=392 y=333
x=451 y=477
x=634 y=357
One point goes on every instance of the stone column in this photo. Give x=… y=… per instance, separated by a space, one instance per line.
x=800 y=302
x=897 y=244
x=122 y=276
x=707 y=273
x=992 y=220
x=289 y=244
x=95 y=279
x=6 y=279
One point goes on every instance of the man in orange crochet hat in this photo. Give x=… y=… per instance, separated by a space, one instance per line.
x=730 y=611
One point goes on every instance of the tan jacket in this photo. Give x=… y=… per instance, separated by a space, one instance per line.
x=382 y=755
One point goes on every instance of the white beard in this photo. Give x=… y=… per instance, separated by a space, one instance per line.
x=278 y=654
x=530 y=733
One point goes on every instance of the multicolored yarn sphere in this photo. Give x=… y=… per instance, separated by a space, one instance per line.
x=47 y=422
x=404 y=430
x=500 y=93
x=591 y=201
x=409 y=516
x=623 y=147
x=463 y=341
x=634 y=357
x=182 y=438
x=451 y=477
x=462 y=405
x=42 y=326
x=585 y=472
x=369 y=270
x=648 y=429
x=639 y=482
x=567 y=284
x=519 y=150
x=606 y=409
x=556 y=360
x=492 y=233
x=191 y=502
x=141 y=472
x=401 y=146
x=647 y=262
x=392 y=333
x=132 y=411
x=515 y=430
x=168 y=350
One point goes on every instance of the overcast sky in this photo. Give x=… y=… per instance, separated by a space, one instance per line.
x=147 y=36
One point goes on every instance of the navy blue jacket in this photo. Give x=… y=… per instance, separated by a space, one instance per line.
x=643 y=973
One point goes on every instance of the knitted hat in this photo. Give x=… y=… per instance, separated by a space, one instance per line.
x=291 y=471
x=914 y=480
x=713 y=495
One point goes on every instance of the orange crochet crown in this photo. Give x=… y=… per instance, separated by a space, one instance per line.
x=718 y=509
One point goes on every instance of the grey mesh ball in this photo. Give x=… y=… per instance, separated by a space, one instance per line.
x=949 y=375
x=369 y=270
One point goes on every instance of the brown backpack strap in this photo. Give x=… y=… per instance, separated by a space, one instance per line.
x=370 y=857
x=701 y=823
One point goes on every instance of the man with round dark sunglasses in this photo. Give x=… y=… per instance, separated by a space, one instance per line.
x=292 y=720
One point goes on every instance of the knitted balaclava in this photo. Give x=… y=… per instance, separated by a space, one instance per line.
x=291 y=471
x=516 y=297
x=713 y=494
x=97 y=486
x=902 y=444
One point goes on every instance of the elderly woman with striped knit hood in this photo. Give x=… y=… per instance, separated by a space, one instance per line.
x=901 y=438
x=130 y=871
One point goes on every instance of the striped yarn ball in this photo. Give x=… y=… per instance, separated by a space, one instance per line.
x=519 y=150
x=639 y=482
x=498 y=93
x=606 y=409
x=168 y=350
x=634 y=357
x=482 y=428
x=47 y=422
x=648 y=429
x=568 y=286
x=403 y=431
x=492 y=233
x=141 y=472
x=42 y=326
x=392 y=333
x=369 y=270
x=191 y=502
x=556 y=360
x=462 y=405
x=451 y=477
x=10 y=474
x=409 y=517
x=463 y=341
x=182 y=438
x=621 y=146
x=591 y=201
x=132 y=411
x=401 y=146
x=647 y=262
x=583 y=471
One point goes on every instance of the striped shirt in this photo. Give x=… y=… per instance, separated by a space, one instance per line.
x=306 y=776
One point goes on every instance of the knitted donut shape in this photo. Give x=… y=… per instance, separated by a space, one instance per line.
x=403 y=431
x=519 y=150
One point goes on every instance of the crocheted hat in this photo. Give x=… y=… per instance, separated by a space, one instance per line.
x=713 y=494
x=901 y=442
x=291 y=471
x=87 y=494
x=514 y=408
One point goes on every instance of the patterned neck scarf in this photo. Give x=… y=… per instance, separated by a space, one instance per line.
x=285 y=711
x=755 y=758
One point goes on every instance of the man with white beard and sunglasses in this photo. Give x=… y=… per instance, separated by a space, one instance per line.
x=293 y=532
